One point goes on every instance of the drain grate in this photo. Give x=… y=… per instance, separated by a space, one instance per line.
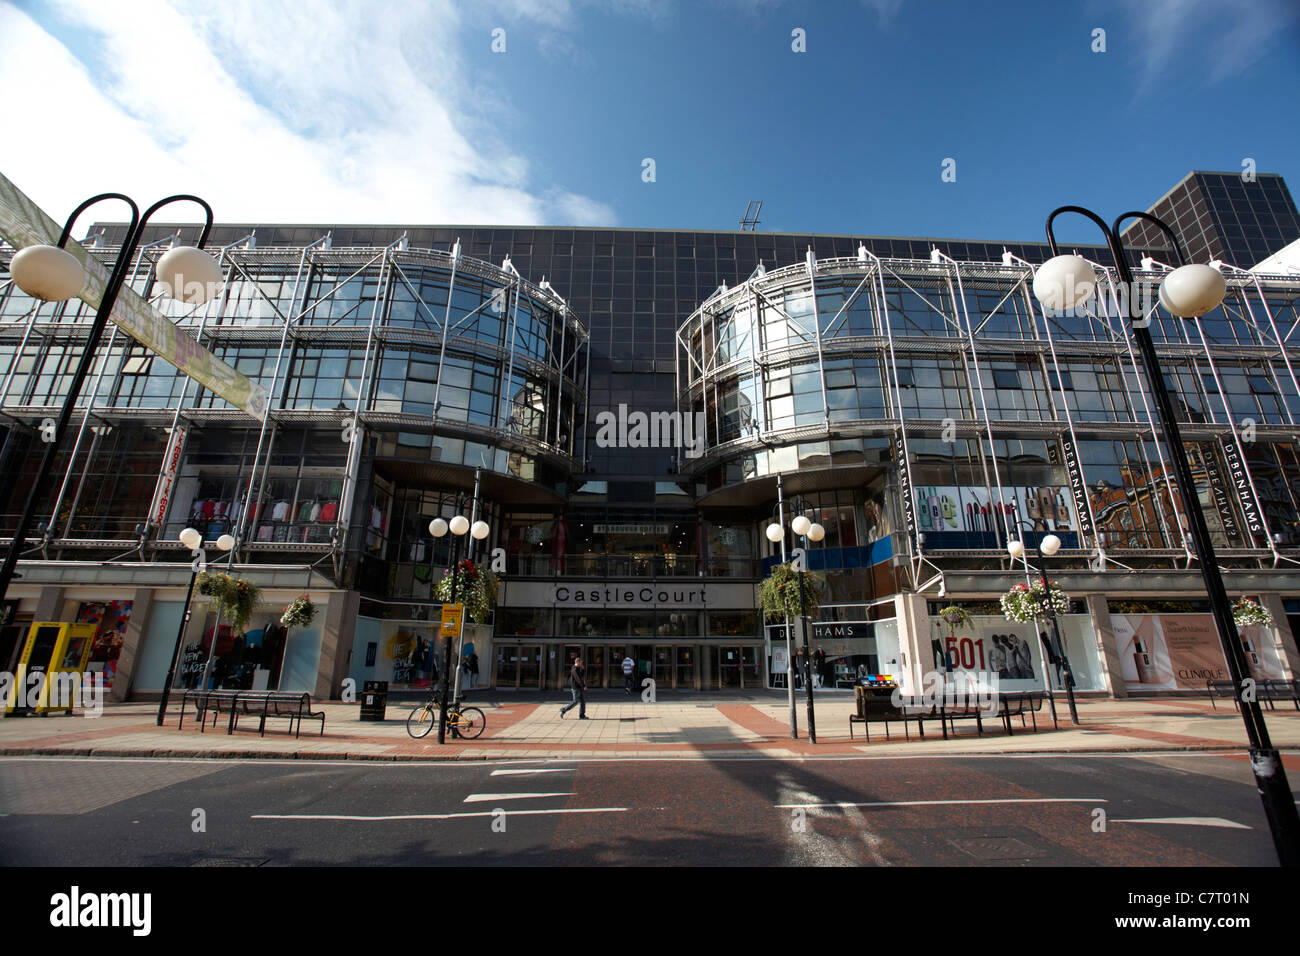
x=997 y=848
x=626 y=720
x=231 y=861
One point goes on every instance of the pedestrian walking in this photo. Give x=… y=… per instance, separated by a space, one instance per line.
x=578 y=685
x=629 y=673
x=473 y=670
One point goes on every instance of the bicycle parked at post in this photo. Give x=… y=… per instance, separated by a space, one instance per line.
x=465 y=722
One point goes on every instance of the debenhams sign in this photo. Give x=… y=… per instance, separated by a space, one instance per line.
x=677 y=595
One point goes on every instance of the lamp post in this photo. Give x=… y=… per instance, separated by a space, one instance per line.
x=1047 y=547
x=193 y=540
x=53 y=274
x=458 y=526
x=226 y=543
x=776 y=534
x=809 y=531
x=1190 y=291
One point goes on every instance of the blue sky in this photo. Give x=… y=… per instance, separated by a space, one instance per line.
x=350 y=112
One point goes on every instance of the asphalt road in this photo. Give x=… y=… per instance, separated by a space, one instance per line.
x=1175 y=810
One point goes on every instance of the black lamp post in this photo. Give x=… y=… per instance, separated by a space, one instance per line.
x=1047 y=547
x=1190 y=291
x=809 y=531
x=458 y=526
x=53 y=274
x=193 y=540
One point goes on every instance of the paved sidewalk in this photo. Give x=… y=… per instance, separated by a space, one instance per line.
x=750 y=724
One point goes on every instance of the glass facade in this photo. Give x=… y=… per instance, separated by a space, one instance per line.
x=922 y=410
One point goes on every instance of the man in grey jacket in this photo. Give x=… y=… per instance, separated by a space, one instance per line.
x=578 y=685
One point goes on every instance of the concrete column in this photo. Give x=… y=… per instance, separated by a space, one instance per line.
x=913 y=640
x=337 y=633
x=1283 y=637
x=129 y=658
x=49 y=606
x=1107 y=651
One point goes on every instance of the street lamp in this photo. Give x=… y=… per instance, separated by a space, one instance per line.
x=53 y=274
x=809 y=531
x=1190 y=291
x=193 y=540
x=1047 y=547
x=458 y=526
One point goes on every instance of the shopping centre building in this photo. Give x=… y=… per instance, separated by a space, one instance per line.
x=634 y=408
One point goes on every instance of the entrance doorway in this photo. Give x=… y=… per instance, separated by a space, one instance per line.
x=736 y=667
x=518 y=665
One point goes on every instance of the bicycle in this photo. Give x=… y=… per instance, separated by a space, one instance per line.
x=464 y=722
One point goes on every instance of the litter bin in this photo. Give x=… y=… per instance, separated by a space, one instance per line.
x=374 y=699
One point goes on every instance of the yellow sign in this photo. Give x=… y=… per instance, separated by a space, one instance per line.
x=452 y=616
x=55 y=656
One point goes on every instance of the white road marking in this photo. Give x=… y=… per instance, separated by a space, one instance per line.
x=427 y=816
x=492 y=797
x=503 y=773
x=1192 y=822
x=940 y=803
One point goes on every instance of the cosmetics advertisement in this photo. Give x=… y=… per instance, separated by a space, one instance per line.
x=1182 y=651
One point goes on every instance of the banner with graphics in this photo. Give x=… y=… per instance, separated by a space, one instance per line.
x=1017 y=653
x=23 y=223
x=1182 y=651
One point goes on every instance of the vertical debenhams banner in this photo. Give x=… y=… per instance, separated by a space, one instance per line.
x=23 y=223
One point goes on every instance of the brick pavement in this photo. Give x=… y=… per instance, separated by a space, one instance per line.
x=707 y=724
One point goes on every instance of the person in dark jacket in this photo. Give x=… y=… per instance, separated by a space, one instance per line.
x=578 y=685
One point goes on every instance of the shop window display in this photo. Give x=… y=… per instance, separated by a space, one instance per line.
x=112 y=618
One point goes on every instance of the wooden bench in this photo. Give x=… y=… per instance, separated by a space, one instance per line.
x=296 y=707
x=1266 y=691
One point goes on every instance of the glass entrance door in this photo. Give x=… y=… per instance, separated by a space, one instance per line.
x=507 y=674
x=685 y=668
x=530 y=666
x=751 y=668
x=729 y=667
x=663 y=672
x=595 y=661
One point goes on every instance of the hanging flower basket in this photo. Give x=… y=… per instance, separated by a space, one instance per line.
x=1023 y=604
x=779 y=593
x=300 y=613
x=1246 y=612
x=235 y=598
x=476 y=588
x=955 y=616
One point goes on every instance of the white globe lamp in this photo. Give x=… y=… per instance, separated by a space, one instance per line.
x=48 y=273
x=189 y=274
x=1191 y=291
x=1064 y=282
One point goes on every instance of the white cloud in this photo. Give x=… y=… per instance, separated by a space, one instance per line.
x=288 y=112
x=1208 y=39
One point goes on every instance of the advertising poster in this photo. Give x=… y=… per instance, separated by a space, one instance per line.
x=1182 y=652
x=1017 y=653
x=407 y=652
x=111 y=618
x=1043 y=509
